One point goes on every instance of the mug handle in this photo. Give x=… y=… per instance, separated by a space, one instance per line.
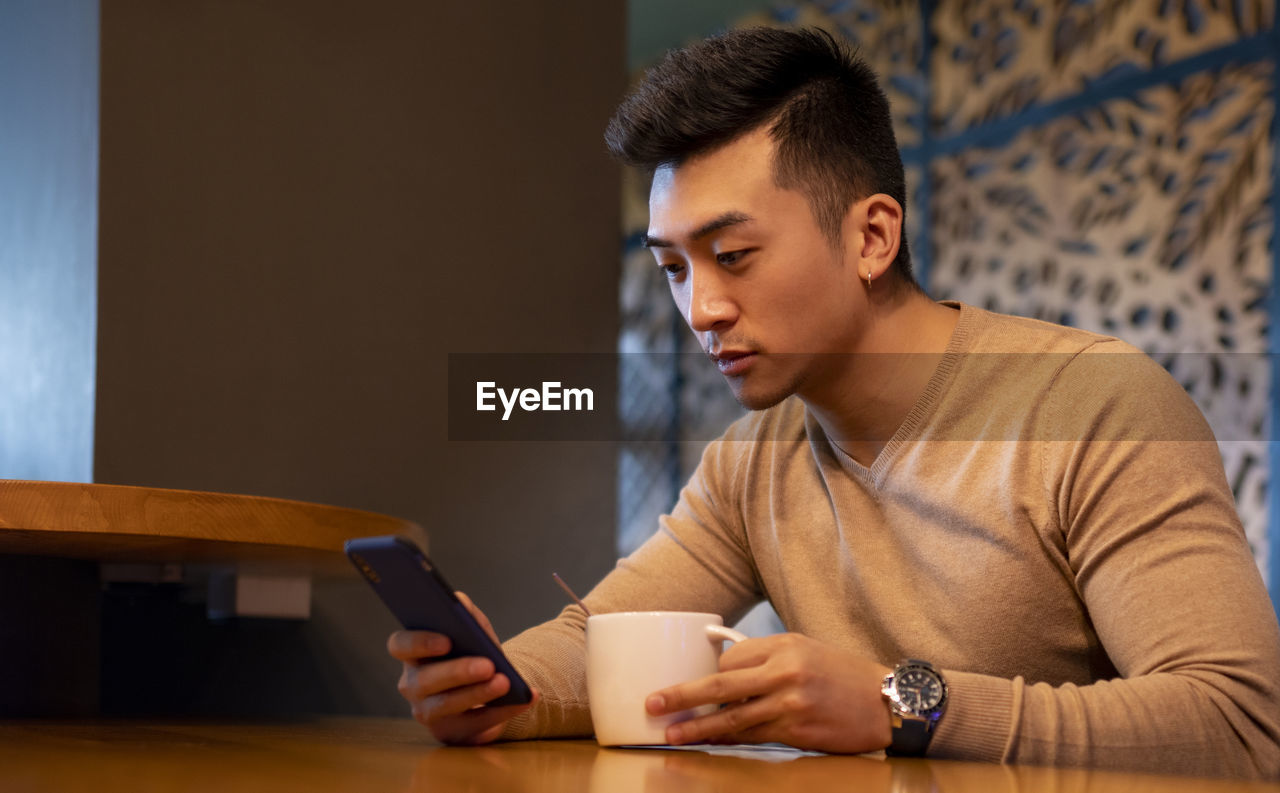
x=722 y=634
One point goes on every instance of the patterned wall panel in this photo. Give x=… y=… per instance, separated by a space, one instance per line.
x=1145 y=217
x=992 y=58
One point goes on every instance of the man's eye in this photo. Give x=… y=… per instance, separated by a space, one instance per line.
x=729 y=257
x=672 y=271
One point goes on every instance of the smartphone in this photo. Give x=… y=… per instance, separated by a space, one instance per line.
x=420 y=597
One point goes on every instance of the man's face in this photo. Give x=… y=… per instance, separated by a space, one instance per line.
x=762 y=288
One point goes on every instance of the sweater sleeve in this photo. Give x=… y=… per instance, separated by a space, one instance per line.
x=1141 y=505
x=696 y=561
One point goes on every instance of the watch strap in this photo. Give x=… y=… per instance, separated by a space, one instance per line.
x=910 y=737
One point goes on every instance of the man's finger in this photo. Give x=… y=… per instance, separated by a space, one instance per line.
x=419 y=682
x=410 y=646
x=460 y=700
x=755 y=652
x=716 y=689
x=736 y=719
x=478 y=725
x=752 y=652
x=766 y=732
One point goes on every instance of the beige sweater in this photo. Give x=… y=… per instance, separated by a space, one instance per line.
x=1051 y=527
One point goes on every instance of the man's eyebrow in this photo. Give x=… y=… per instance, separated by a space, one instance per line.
x=711 y=226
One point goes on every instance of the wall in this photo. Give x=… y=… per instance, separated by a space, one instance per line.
x=655 y=26
x=48 y=234
x=305 y=207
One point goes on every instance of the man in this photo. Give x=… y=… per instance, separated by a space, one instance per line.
x=1038 y=513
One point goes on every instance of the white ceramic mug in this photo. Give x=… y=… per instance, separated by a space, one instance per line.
x=633 y=654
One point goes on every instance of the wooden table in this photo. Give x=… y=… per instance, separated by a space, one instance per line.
x=364 y=755
x=60 y=542
x=115 y=523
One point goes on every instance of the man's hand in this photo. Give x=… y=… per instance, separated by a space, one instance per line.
x=449 y=697
x=786 y=688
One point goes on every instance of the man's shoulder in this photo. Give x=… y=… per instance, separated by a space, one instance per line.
x=1062 y=351
x=1093 y=386
x=992 y=332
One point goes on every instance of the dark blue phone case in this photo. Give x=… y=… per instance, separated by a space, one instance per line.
x=421 y=599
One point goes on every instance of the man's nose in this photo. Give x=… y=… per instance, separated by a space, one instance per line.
x=710 y=305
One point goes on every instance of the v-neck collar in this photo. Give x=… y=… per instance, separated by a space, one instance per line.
x=924 y=408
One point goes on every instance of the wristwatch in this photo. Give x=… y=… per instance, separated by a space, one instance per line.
x=917 y=696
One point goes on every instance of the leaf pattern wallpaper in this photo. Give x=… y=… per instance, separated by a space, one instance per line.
x=1106 y=164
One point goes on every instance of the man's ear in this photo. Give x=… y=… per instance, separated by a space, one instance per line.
x=873 y=230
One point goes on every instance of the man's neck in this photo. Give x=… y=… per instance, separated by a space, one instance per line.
x=868 y=396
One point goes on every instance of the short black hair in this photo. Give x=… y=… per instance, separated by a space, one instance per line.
x=828 y=115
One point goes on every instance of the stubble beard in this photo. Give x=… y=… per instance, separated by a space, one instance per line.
x=767 y=396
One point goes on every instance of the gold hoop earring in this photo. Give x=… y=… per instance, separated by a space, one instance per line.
x=868 y=279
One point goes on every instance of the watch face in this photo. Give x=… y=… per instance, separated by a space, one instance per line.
x=918 y=689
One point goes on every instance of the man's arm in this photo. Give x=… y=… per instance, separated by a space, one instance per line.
x=1162 y=565
x=1163 y=568
x=1177 y=602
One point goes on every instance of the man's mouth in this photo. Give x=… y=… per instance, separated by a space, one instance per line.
x=733 y=362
